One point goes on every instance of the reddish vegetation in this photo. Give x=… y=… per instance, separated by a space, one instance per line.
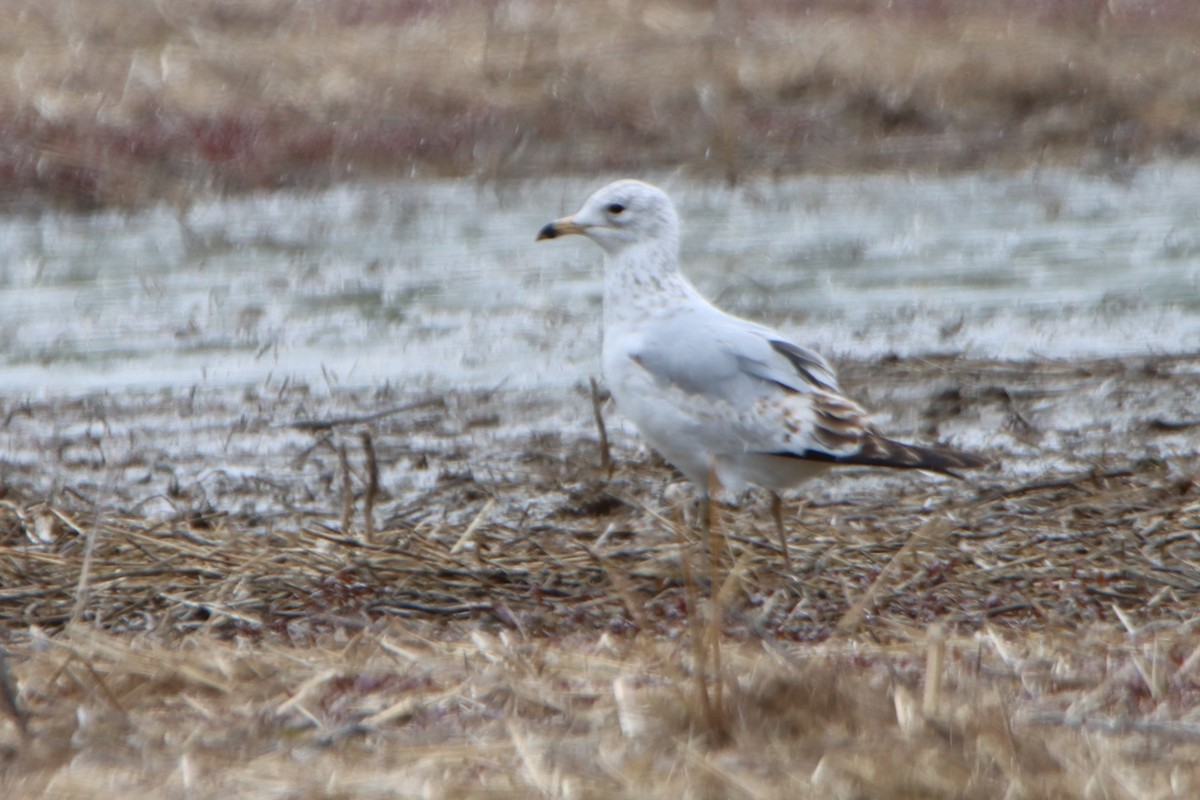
x=123 y=102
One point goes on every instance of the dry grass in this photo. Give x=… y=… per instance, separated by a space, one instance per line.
x=123 y=101
x=405 y=710
x=1006 y=638
x=521 y=623
x=1010 y=638
x=1065 y=551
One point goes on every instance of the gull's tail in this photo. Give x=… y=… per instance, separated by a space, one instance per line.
x=878 y=451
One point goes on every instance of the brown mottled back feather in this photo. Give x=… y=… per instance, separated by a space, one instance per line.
x=847 y=436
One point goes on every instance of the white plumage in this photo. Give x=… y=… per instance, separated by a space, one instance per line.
x=715 y=394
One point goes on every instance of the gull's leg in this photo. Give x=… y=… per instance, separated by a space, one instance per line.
x=706 y=527
x=714 y=596
x=777 y=513
x=706 y=508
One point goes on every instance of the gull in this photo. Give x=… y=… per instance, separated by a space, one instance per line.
x=730 y=403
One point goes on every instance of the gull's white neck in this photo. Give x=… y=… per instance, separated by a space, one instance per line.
x=643 y=279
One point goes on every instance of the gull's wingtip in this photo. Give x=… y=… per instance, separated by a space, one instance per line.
x=879 y=451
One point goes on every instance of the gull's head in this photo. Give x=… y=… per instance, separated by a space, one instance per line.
x=619 y=215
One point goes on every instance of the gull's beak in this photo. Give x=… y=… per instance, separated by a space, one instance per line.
x=560 y=227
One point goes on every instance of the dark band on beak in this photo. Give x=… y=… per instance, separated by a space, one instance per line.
x=560 y=227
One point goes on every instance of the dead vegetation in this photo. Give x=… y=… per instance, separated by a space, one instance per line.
x=127 y=102
x=1073 y=551
x=539 y=628
x=508 y=618
x=452 y=711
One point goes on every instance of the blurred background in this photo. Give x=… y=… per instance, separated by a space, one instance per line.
x=222 y=191
x=124 y=102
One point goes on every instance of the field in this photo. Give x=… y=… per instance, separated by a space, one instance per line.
x=500 y=616
x=291 y=591
x=120 y=102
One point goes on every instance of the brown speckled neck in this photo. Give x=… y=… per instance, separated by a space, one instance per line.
x=643 y=280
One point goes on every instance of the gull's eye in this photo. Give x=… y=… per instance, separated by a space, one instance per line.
x=615 y=208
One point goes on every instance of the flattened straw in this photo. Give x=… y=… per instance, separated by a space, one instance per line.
x=538 y=776
x=935 y=658
x=105 y=689
x=1126 y=621
x=326 y=424
x=69 y=521
x=214 y=608
x=621 y=586
x=735 y=576
x=8 y=694
x=632 y=718
x=469 y=533
x=932 y=529
x=407 y=706
x=1151 y=674
x=1188 y=664
x=303 y=690
x=407 y=654
x=83 y=585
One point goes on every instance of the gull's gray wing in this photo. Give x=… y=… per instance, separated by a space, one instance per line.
x=785 y=398
x=801 y=362
x=710 y=353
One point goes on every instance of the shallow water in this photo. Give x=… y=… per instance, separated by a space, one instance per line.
x=439 y=284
